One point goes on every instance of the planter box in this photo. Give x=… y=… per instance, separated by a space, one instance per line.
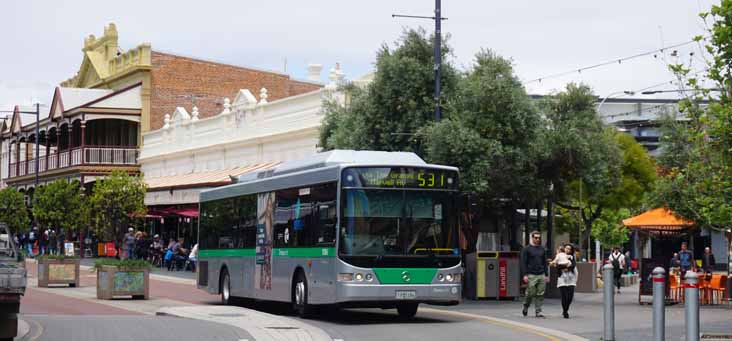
x=55 y=271
x=113 y=281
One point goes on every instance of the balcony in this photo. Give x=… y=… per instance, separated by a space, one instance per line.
x=80 y=156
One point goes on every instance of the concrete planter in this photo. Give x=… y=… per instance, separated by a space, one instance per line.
x=113 y=281
x=58 y=271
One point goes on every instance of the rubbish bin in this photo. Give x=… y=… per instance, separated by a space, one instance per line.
x=482 y=275
x=509 y=274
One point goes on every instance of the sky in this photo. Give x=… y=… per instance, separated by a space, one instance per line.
x=41 y=41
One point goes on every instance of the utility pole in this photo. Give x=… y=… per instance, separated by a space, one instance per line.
x=438 y=52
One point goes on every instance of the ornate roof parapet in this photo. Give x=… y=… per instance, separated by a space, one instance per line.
x=244 y=100
x=263 y=96
x=194 y=114
x=166 y=121
x=139 y=56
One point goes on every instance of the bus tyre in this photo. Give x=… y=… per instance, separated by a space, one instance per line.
x=407 y=310
x=300 y=297
x=225 y=287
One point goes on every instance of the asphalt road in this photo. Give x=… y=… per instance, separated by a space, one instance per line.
x=127 y=328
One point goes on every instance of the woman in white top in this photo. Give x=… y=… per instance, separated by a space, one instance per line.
x=567 y=279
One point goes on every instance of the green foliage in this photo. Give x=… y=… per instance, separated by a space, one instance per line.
x=114 y=202
x=697 y=155
x=124 y=264
x=387 y=114
x=13 y=211
x=59 y=256
x=609 y=228
x=491 y=132
x=60 y=204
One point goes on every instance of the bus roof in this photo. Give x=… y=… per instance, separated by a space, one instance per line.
x=319 y=168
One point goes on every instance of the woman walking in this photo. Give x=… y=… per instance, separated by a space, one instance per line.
x=567 y=279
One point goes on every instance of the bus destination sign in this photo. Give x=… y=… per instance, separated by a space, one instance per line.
x=399 y=177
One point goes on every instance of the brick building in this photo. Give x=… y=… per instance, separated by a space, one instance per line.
x=97 y=119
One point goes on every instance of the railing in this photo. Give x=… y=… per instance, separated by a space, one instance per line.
x=79 y=156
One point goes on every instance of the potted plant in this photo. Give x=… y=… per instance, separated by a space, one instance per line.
x=122 y=278
x=58 y=269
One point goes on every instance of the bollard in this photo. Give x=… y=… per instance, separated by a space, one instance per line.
x=691 y=298
x=609 y=295
x=659 y=304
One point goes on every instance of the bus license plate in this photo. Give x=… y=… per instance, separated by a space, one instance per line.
x=406 y=295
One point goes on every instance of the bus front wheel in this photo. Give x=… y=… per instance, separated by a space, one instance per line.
x=407 y=310
x=300 y=296
x=225 y=288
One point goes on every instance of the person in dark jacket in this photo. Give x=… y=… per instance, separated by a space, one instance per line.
x=708 y=262
x=536 y=274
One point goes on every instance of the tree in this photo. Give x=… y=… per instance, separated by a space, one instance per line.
x=115 y=201
x=60 y=204
x=387 y=114
x=698 y=184
x=13 y=211
x=609 y=229
x=491 y=132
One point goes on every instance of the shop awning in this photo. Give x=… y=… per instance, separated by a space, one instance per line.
x=190 y=212
x=203 y=179
x=658 y=221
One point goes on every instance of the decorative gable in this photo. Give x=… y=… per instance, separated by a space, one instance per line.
x=57 y=105
x=244 y=99
x=16 y=124
x=180 y=115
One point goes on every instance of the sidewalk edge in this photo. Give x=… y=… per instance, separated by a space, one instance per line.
x=23 y=330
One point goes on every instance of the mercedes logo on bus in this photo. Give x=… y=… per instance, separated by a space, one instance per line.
x=405 y=276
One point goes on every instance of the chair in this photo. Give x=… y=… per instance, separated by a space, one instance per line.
x=717 y=288
x=675 y=289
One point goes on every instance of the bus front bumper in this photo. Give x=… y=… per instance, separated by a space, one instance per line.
x=438 y=294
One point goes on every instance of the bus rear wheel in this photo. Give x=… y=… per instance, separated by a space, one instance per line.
x=225 y=287
x=407 y=310
x=300 y=297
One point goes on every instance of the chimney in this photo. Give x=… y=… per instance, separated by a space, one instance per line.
x=314 y=72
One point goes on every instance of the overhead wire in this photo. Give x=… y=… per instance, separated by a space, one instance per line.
x=610 y=62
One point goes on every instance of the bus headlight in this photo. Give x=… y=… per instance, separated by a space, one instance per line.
x=448 y=277
x=369 y=277
x=457 y=277
x=345 y=277
x=359 y=277
x=440 y=277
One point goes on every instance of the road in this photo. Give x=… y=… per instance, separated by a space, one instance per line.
x=54 y=315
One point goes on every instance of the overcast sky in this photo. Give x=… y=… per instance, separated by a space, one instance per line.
x=41 y=41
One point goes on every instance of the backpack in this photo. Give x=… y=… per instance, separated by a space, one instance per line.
x=616 y=263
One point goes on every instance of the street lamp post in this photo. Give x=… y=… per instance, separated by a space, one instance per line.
x=626 y=92
x=438 y=52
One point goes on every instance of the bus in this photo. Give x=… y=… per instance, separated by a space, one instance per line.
x=343 y=228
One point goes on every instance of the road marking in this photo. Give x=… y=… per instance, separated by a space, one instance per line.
x=547 y=333
x=39 y=329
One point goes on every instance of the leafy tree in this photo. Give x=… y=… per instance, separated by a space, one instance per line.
x=698 y=185
x=114 y=202
x=387 y=114
x=609 y=228
x=490 y=134
x=13 y=211
x=60 y=204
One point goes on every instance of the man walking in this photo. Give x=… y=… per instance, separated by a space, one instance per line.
x=536 y=274
x=708 y=262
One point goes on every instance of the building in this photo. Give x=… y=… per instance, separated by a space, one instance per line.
x=190 y=154
x=97 y=119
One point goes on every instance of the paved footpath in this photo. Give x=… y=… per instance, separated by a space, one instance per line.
x=632 y=321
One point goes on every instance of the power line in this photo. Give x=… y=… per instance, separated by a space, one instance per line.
x=617 y=60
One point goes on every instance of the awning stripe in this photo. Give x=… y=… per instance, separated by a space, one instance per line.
x=220 y=177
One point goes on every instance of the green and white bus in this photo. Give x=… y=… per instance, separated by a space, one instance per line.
x=343 y=228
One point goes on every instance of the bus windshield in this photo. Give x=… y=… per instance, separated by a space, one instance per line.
x=398 y=222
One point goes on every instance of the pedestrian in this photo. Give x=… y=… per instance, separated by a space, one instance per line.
x=536 y=274
x=129 y=243
x=52 y=242
x=31 y=241
x=627 y=262
x=566 y=266
x=708 y=262
x=43 y=243
x=617 y=260
x=686 y=259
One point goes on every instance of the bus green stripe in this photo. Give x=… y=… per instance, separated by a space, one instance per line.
x=405 y=275
x=227 y=253
x=305 y=252
x=297 y=252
